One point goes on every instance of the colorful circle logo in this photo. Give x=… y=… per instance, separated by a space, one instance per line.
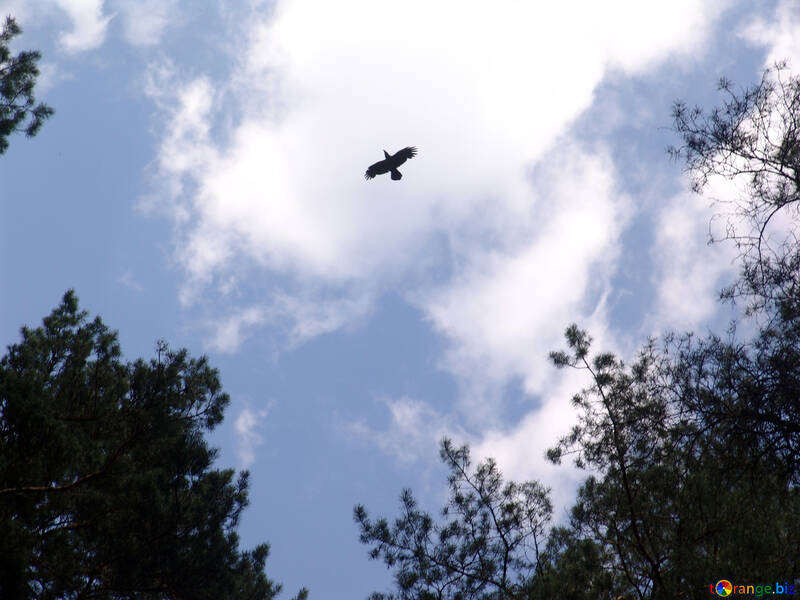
x=723 y=588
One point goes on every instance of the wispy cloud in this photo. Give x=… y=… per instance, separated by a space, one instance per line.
x=688 y=272
x=306 y=318
x=506 y=308
x=297 y=318
x=50 y=75
x=415 y=429
x=145 y=21
x=780 y=34
x=129 y=281
x=413 y=432
x=247 y=425
x=230 y=332
x=520 y=448
x=89 y=24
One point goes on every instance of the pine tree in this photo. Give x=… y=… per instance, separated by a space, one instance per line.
x=18 y=108
x=107 y=488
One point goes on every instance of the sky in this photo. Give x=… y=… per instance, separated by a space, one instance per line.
x=202 y=182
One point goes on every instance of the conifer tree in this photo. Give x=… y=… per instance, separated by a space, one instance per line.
x=18 y=108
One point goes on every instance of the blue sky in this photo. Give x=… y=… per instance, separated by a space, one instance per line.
x=202 y=182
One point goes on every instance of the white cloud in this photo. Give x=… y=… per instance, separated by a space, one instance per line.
x=89 y=24
x=229 y=333
x=50 y=75
x=15 y=8
x=306 y=318
x=482 y=95
x=780 y=34
x=506 y=309
x=265 y=176
x=129 y=281
x=297 y=317
x=247 y=425
x=520 y=449
x=145 y=21
x=640 y=34
x=688 y=272
x=415 y=430
x=413 y=433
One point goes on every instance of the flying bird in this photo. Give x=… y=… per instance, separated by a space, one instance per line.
x=390 y=163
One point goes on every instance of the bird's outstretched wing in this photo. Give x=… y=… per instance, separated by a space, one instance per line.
x=378 y=168
x=403 y=155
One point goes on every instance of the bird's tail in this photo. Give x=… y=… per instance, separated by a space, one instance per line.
x=396 y=174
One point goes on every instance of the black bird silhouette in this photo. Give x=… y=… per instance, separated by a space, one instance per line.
x=391 y=162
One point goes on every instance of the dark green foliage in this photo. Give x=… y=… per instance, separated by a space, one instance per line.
x=488 y=544
x=696 y=445
x=106 y=485
x=688 y=489
x=755 y=136
x=574 y=568
x=18 y=108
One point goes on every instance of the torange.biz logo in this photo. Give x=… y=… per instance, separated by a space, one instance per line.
x=725 y=588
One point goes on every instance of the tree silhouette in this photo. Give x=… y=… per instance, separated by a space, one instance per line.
x=107 y=489
x=485 y=548
x=18 y=108
x=753 y=137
